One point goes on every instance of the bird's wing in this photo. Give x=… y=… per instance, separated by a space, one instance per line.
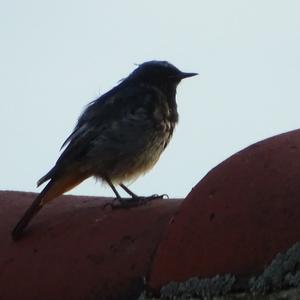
x=100 y=114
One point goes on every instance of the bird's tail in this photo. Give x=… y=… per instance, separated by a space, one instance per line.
x=30 y=212
x=53 y=189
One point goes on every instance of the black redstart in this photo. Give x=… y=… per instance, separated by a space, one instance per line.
x=118 y=137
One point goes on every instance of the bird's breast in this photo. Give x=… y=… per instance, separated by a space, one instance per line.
x=165 y=117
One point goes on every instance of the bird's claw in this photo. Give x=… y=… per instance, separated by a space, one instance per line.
x=164 y=196
x=133 y=202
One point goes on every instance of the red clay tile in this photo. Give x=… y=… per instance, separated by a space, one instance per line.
x=238 y=217
x=73 y=249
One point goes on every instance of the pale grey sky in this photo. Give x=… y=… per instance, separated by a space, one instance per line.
x=56 y=56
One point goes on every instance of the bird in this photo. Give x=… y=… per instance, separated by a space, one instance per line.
x=117 y=138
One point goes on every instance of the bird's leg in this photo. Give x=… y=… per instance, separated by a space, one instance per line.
x=138 y=200
x=114 y=190
x=128 y=191
x=118 y=197
x=134 y=201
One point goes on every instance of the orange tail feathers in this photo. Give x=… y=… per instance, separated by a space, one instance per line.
x=53 y=189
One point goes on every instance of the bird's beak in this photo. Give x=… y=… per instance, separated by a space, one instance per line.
x=183 y=75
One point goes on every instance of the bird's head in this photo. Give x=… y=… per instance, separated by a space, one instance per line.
x=159 y=73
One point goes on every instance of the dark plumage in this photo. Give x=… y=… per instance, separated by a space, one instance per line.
x=118 y=137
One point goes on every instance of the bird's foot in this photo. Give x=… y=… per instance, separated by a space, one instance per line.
x=124 y=203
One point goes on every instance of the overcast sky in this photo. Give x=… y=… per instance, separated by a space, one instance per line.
x=56 y=56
